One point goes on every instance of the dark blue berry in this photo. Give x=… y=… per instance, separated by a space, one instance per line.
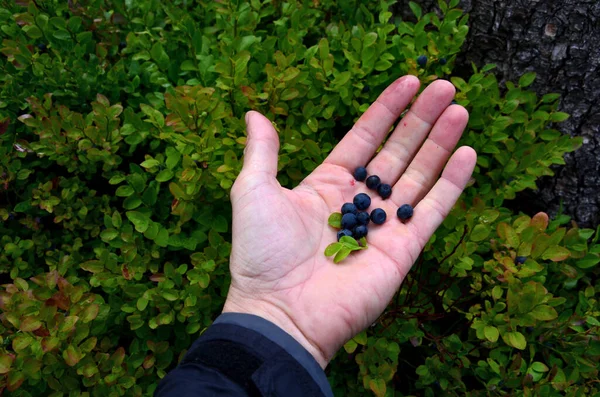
x=373 y=181
x=519 y=260
x=422 y=60
x=454 y=102
x=11 y=216
x=349 y=208
x=443 y=61
x=384 y=190
x=41 y=47
x=378 y=216
x=122 y=45
x=366 y=89
x=348 y=221
x=362 y=201
x=37 y=219
x=360 y=231
x=529 y=329
x=360 y=174
x=342 y=233
x=405 y=212
x=363 y=218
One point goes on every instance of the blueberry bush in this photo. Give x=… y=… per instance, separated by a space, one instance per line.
x=121 y=133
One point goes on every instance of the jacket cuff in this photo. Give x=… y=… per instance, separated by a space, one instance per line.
x=283 y=340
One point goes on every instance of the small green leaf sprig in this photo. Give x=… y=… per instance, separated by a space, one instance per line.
x=346 y=245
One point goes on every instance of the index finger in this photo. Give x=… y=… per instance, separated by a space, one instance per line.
x=362 y=141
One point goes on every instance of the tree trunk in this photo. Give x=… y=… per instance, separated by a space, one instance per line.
x=560 y=41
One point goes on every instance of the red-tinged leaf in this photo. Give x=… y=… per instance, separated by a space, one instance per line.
x=41 y=332
x=118 y=356
x=378 y=387
x=540 y=221
x=125 y=272
x=29 y=324
x=71 y=355
x=89 y=313
x=62 y=283
x=59 y=300
x=15 y=380
x=49 y=344
x=6 y=361
x=149 y=361
x=4 y=126
x=20 y=342
x=68 y=324
x=158 y=277
x=556 y=254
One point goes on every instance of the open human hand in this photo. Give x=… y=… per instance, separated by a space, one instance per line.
x=278 y=268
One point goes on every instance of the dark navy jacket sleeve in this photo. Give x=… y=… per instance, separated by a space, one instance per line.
x=245 y=355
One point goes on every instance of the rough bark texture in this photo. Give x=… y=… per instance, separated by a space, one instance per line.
x=560 y=41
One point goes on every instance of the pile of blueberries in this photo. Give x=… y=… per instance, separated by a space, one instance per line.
x=355 y=218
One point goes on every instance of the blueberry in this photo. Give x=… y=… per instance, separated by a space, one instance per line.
x=454 y=102
x=362 y=201
x=122 y=45
x=443 y=61
x=363 y=218
x=11 y=216
x=378 y=216
x=342 y=233
x=405 y=212
x=422 y=60
x=349 y=208
x=37 y=219
x=360 y=231
x=348 y=221
x=373 y=181
x=529 y=329
x=360 y=174
x=366 y=89
x=41 y=47
x=384 y=190
x=519 y=260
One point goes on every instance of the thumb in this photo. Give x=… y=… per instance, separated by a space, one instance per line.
x=262 y=145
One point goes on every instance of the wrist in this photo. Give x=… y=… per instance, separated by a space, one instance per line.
x=277 y=316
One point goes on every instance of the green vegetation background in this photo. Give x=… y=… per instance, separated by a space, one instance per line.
x=121 y=133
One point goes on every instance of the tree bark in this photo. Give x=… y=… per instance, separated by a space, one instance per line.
x=560 y=41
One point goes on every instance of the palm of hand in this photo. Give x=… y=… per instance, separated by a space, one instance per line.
x=278 y=266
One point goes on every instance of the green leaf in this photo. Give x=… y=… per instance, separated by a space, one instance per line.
x=349 y=242
x=515 y=339
x=5 y=363
x=332 y=249
x=544 y=313
x=539 y=367
x=164 y=175
x=109 y=234
x=480 y=232
x=32 y=31
x=590 y=260
x=416 y=9
x=557 y=117
x=369 y=39
x=341 y=254
x=491 y=333
x=124 y=191
x=335 y=220
x=116 y=219
x=150 y=163
x=139 y=220
x=527 y=79
x=556 y=254
x=154 y=115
